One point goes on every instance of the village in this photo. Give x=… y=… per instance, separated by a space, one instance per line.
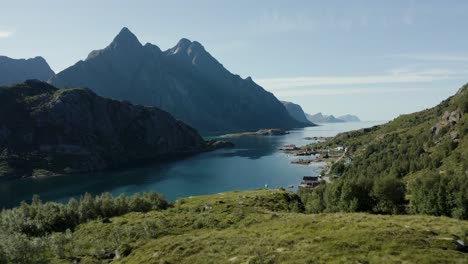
x=329 y=156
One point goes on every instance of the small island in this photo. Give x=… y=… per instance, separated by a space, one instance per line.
x=261 y=132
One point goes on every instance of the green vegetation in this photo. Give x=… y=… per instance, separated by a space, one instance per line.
x=30 y=231
x=263 y=226
x=417 y=163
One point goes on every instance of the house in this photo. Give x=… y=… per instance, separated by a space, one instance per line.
x=310 y=182
x=340 y=148
x=348 y=160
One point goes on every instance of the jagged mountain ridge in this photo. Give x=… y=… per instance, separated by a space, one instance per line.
x=185 y=80
x=321 y=118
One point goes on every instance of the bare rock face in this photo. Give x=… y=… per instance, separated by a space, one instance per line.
x=448 y=120
x=43 y=128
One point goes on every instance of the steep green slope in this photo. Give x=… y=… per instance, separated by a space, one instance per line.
x=422 y=157
x=263 y=226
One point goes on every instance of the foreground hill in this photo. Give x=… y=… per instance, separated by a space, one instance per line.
x=296 y=112
x=185 y=81
x=19 y=70
x=45 y=130
x=416 y=163
x=264 y=226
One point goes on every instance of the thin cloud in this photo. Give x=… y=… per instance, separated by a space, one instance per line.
x=343 y=91
x=396 y=76
x=5 y=34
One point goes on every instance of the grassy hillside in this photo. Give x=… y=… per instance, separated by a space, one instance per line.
x=263 y=226
x=417 y=163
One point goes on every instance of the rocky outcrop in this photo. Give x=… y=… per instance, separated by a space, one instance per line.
x=447 y=121
x=218 y=144
x=185 y=81
x=18 y=70
x=47 y=130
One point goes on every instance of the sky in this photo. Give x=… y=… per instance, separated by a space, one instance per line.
x=376 y=59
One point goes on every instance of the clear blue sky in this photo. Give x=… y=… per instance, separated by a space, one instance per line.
x=376 y=59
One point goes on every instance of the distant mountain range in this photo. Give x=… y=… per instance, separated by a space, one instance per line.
x=321 y=118
x=349 y=118
x=296 y=112
x=18 y=70
x=185 y=80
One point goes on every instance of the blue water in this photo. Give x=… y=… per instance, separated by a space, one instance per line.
x=254 y=162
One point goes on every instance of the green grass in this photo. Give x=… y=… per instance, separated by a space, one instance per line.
x=264 y=226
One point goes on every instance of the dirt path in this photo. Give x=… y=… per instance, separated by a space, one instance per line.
x=336 y=161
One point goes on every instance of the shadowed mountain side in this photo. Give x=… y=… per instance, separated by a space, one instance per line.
x=296 y=112
x=19 y=70
x=46 y=131
x=185 y=80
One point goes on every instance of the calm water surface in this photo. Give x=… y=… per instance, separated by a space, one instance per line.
x=254 y=162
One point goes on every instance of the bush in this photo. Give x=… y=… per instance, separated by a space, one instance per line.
x=39 y=219
x=19 y=249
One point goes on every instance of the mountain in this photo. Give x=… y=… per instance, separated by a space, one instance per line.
x=349 y=118
x=19 y=70
x=185 y=81
x=417 y=163
x=321 y=118
x=46 y=131
x=296 y=112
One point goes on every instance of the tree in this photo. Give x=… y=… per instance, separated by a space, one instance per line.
x=389 y=193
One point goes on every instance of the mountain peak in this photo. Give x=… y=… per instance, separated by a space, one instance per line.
x=183 y=42
x=188 y=47
x=125 y=39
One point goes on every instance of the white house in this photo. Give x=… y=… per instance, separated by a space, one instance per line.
x=340 y=148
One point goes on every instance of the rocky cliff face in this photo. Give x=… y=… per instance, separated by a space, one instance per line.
x=185 y=80
x=45 y=130
x=19 y=70
x=296 y=112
